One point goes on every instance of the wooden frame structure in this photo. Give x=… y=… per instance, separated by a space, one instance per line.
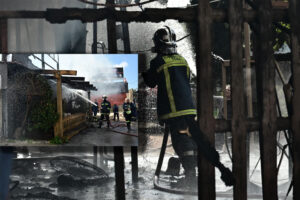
x=65 y=124
x=267 y=124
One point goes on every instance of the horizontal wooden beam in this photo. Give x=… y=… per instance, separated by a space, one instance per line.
x=148 y=15
x=278 y=57
x=66 y=78
x=60 y=72
x=253 y=124
x=280 y=4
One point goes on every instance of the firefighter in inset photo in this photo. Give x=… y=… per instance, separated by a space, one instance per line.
x=95 y=108
x=105 y=111
x=127 y=112
x=116 y=112
x=170 y=72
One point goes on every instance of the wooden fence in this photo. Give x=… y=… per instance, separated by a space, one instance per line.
x=267 y=124
x=72 y=125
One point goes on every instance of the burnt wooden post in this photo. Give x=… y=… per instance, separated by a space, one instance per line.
x=94 y=45
x=59 y=125
x=134 y=163
x=58 y=128
x=265 y=70
x=111 y=31
x=205 y=98
x=295 y=24
x=95 y=158
x=3 y=39
x=119 y=172
x=238 y=126
x=125 y=31
x=118 y=151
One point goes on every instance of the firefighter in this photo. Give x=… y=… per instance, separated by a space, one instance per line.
x=127 y=112
x=170 y=72
x=116 y=112
x=95 y=108
x=105 y=111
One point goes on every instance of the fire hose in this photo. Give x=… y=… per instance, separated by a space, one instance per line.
x=120 y=132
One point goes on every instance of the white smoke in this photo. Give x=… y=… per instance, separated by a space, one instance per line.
x=122 y=64
x=96 y=69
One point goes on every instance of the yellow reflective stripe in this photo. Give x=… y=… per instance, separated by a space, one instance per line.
x=169 y=90
x=171 y=64
x=179 y=113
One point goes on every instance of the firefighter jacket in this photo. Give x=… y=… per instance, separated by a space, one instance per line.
x=127 y=108
x=115 y=109
x=105 y=106
x=95 y=107
x=171 y=74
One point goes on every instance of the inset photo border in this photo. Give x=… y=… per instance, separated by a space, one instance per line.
x=69 y=99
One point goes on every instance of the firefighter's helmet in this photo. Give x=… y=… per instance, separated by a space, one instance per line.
x=164 y=41
x=104 y=96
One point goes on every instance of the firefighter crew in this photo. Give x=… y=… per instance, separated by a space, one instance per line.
x=116 y=112
x=105 y=111
x=127 y=112
x=170 y=72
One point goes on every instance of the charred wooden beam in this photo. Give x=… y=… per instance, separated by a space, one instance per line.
x=4 y=38
x=278 y=57
x=111 y=30
x=134 y=164
x=238 y=125
x=265 y=70
x=148 y=15
x=66 y=78
x=119 y=172
x=252 y=124
x=205 y=98
x=60 y=72
x=295 y=24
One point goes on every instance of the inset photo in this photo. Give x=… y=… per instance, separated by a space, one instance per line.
x=69 y=99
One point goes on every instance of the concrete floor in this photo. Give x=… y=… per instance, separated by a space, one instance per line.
x=104 y=136
x=38 y=177
x=117 y=135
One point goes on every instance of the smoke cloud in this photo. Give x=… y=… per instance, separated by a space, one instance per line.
x=96 y=69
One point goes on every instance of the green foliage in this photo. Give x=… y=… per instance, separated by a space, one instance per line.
x=58 y=140
x=44 y=114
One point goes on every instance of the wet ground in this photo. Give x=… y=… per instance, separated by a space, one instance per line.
x=116 y=135
x=73 y=178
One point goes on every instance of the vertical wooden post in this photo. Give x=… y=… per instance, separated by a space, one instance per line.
x=94 y=45
x=295 y=24
x=134 y=163
x=125 y=30
x=118 y=151
x=101 y=156
x=238 y=125
x=224 y=81
x=18 y=35
x=95 y=158
x=119 y=172
x=265 y=69
x=111 y=32
x=43 y=60
x=59 y=126
x=206 y=180
x=3 y=38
